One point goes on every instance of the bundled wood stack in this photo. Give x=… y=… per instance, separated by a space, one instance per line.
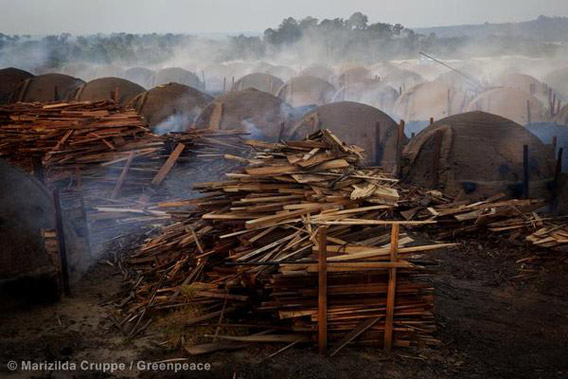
x=67 y=133
x=100 y=143
x=74 y=140
x=249 y=247
x=104 y=155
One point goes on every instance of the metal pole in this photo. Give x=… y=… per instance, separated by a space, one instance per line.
x=438 y=136
x=378 y=145
x=399 y=148
x=38 y=168
x=61 y=242
x=526 y=179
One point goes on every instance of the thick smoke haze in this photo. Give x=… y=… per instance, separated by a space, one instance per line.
x=295 y=43
x=184 y=16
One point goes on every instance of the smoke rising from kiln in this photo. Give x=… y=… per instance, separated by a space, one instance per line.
x=173 y=124
x=254 y=131
x=294 y=43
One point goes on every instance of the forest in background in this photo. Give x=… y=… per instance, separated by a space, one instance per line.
x=294 y=41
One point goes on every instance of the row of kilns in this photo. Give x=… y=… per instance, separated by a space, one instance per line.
x=306 y=103
x=400 y=93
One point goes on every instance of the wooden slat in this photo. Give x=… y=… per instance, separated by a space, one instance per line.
x=322 y=290
x=391 y=290
x=122 y=177
x=361 y=328
x=161 y=175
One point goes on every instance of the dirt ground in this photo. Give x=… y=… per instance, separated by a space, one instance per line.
x=492 y=324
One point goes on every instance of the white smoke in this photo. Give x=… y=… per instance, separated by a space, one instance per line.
x=254 y=131
x=173 y=124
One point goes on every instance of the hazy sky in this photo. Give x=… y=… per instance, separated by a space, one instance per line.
x=179 y=16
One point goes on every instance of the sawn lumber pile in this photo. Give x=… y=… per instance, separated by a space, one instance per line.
x=104 y=155
x=248 y=251
x=71 y=135
x=100 y=144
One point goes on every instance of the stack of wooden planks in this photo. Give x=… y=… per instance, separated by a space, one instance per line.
x=70 y=135
x=250 y=248
x=105 y=155
x=102 y=144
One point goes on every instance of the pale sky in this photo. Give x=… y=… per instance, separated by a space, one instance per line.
x=186 y=16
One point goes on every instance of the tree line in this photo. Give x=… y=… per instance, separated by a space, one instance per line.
x=308 y=39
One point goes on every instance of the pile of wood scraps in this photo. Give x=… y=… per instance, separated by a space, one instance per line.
x=515 y=217
x=101 y=144
x=71 y=135
x=250 y=250
x=107 y=155
x=551 y=235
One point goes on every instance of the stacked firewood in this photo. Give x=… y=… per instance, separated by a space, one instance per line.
x=101 y=144
x=249 y=248
x=105 y=155
x=70 y=135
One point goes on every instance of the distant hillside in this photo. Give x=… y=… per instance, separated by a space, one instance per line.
x=544 y=28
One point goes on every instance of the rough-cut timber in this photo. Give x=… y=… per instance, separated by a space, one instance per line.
x=248 y=250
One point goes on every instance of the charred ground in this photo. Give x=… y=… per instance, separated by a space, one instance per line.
x=497 y=318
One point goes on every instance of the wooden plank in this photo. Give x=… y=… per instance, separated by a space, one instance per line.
x=271 y=170
x=272 y=338
x=63 y=139
x=322 y=290
x=391 y=289
x=347 y=266
x=356 y=221
x=122 y=177
x=362 y=328
x=216 y=116
x=273 y=219
x=198 y=319
x=161 y=175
